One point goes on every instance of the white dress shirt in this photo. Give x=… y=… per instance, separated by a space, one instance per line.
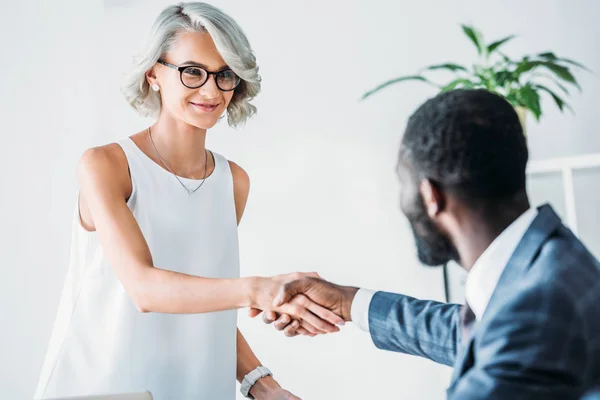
x=481 y=280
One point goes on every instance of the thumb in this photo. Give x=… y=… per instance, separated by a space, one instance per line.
x=253 y=312
x=288 y=290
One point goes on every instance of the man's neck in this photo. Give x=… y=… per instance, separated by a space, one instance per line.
x=480 y=229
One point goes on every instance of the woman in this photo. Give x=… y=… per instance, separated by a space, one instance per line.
x=150 y=297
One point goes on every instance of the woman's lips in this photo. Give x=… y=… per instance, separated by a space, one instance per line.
x=205 y=107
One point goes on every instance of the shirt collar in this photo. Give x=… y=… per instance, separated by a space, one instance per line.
x=485 y=273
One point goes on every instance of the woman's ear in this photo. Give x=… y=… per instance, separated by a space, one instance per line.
x=151 y=76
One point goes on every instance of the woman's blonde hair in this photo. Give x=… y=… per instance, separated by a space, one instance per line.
x=230 y=41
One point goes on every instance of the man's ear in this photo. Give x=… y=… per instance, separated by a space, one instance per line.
x=433 y=197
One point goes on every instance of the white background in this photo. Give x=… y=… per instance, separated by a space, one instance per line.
x=324 y=193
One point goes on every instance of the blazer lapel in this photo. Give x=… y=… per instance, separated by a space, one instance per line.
x=546 y=222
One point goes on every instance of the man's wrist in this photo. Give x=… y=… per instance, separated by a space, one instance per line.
x=359 y=309
x=263 y=386
x=348 y=294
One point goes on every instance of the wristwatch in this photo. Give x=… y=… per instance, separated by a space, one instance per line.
x=252 y=377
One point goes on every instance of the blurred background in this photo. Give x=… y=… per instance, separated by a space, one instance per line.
x=324 y=193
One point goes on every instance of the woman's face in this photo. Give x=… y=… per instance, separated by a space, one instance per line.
x=200 y=107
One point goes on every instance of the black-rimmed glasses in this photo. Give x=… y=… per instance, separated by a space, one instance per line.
x=194 y=77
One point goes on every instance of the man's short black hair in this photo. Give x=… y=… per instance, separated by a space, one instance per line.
x=468 y=141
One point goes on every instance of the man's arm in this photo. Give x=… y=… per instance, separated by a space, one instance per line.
x=418 y=327
x=396 y=322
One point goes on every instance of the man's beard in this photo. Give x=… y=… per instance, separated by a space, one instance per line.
x=433 y=247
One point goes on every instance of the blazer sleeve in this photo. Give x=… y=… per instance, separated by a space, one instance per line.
x=418 y=327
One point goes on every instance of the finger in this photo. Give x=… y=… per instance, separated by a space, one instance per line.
x=296 y=309
x=291 y=329
x=304 y=332
x=324 y=313
x=320 y=325
x=311 y=329
x=282 y=322
x=253 y=312
x=269 y=317
x=305 y=304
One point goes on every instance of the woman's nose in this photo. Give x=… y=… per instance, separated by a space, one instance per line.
x=210 y=88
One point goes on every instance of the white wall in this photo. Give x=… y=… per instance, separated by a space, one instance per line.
x=324 y=194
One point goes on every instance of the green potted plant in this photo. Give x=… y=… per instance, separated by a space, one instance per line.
x=521 y=81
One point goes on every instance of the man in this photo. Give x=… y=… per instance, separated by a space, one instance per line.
x=531 y=325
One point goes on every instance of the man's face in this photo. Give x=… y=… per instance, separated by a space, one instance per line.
x=433 y=246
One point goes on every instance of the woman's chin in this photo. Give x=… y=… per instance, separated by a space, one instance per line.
x=203 y=123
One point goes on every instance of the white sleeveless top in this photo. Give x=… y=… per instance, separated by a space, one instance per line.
x=102 y=344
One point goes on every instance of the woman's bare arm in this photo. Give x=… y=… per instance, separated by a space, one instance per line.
x=105 y=186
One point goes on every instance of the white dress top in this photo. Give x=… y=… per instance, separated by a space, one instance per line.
x=101 y=343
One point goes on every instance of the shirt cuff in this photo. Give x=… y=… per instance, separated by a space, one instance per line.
x=359 y=311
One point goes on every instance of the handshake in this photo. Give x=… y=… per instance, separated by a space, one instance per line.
x=302 y=304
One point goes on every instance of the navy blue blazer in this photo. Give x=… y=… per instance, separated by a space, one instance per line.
x=539 y=337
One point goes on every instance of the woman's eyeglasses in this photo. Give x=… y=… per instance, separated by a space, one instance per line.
x=195 y=77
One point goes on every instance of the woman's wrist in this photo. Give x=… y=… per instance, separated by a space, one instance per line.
x=263 y=386
x=254 y=287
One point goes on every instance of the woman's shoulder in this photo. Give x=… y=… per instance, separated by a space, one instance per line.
x=240 y=176
x=109 y=156
x=107 y=163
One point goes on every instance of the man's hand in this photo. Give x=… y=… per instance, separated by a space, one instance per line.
x=331 y=296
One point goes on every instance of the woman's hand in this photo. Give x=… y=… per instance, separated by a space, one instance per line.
x=312 y=319
x=268 y=389
x=279 y=394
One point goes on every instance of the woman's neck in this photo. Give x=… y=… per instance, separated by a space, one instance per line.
x=182 y=146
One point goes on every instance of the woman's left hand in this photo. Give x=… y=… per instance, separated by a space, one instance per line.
x=268 y=389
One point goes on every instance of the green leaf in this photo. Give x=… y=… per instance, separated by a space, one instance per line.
x=526 y=66
x=552 y=57
x=559 y=102
x=511 y=96
x=448 y=66
x=460 y=82
x=396 y=80
x=493 y=46
x=486 y=75
x=548 y=55
x=531 y=99
x=502 y=77
x=551 y=78
x=506 y=59
x=476 y=38
x=562 y=87
x=562 y=72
